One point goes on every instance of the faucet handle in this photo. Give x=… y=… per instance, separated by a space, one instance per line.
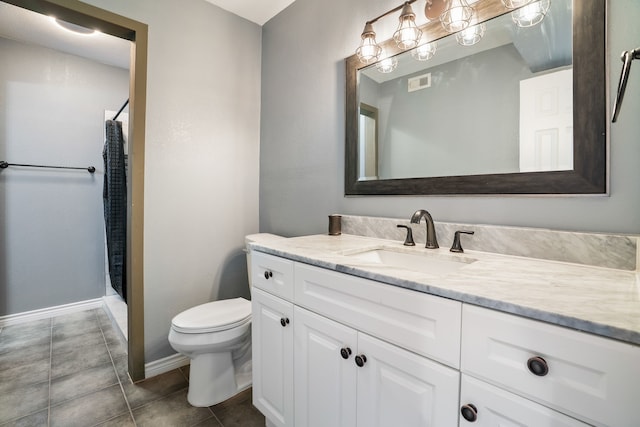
x=408 y=241
x=457 y=247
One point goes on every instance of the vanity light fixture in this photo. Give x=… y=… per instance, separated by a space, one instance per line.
x=408 y=34
x=531 y=14
x=369 y=51
x=424 y=52
x=457 y=16
x=471 y=35
x=514 y=4
x=387 y=65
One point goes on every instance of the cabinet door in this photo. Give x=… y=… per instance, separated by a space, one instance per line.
x=489 y=406
x=590 y=378
x=400 y=388
x=325 y=381
x=272 y=347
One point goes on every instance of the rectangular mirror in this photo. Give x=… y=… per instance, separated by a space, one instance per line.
x=495 y=117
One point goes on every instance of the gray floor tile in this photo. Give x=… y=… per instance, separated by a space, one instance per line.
x=22 y=401
x=117 y=349
x=24 y=374
x=90 y=409
x=20 y=337
x=64 y=343
x=84 y=357
x=122 y=369
x=39 y=419
x=33 y=353
x=170 y=411
x=76 y=328
x=154 y=388
x=36 y=327
x=239 y=412
x=73 y=318
x=209 y=422
x=103 y=318
x=124 y=420
x=83 y=382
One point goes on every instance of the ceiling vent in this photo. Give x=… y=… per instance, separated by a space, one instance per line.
x=419 y=82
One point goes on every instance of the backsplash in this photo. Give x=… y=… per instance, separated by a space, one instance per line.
x=600 y=250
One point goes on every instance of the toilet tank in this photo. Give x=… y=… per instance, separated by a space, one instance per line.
x=257 y=238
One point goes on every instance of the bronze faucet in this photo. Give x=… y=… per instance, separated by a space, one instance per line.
x=432 y=241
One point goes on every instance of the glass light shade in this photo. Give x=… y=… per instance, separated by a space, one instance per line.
x=457 y=16
x=514 y=4
x=531 y=14
x=408 y=34
x=387 y=65
x=369 y=51
x=471 y=35
x=424 y=52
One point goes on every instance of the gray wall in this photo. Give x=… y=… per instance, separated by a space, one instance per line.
x=302 y=132
x=51 y=234
x=201 y=156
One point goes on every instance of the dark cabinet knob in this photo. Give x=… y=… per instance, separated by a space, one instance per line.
x=469 y=412
x=361 y=360
x=345 y=352
x=284 y=321
x=268 y=274
x=538 y=366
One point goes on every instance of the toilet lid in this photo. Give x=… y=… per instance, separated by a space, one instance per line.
x=213 y=316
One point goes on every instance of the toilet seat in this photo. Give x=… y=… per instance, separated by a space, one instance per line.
x=213 y=316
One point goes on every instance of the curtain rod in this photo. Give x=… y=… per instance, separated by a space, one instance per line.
x=4 y=165
x=120 y=110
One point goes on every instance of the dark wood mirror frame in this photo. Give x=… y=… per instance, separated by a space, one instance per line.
x=589 y=175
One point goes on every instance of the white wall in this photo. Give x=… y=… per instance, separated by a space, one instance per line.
x=51 y=221
x=202 y=156
x=302 y=133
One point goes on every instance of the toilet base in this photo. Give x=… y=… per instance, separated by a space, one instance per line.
x=212 y=379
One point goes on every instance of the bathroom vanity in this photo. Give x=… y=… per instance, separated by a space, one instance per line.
x=351 y=331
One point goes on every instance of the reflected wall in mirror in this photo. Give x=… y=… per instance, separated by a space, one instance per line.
x=496 y=117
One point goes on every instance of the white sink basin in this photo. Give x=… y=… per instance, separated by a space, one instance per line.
x=434 y=264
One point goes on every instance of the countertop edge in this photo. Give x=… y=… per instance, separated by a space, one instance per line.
x=599 y=329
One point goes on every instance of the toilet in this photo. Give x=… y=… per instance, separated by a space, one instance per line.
x=216 y=336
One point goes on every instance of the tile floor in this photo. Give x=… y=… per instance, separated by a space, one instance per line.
x=72 y=371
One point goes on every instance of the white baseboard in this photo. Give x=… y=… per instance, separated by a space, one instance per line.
x=165 y=364
x=46 y=313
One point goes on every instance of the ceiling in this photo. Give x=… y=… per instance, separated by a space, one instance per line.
x=258 y=11
x=26 y=26
x=30 y=27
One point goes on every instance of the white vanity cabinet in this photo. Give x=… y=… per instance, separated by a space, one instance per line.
x=347 y=378
x=484 y=405
x=331 y=349
x=339 y=322
x=590 y=378
x=272 y=337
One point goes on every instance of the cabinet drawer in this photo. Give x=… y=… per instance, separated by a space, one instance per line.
x=496 y=407
x=422 y=323
x=273 y=274
x=591 y=378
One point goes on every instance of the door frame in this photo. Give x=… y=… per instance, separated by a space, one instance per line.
x=89 y=16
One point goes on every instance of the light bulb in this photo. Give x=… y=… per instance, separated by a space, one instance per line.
x=387 y=65
x=424 y=52
x=531 y=14
x=369 y=51
x=457 y=16
x=408 y=34
x=471 y=35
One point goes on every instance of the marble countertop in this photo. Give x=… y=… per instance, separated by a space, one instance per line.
x=597 y=300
